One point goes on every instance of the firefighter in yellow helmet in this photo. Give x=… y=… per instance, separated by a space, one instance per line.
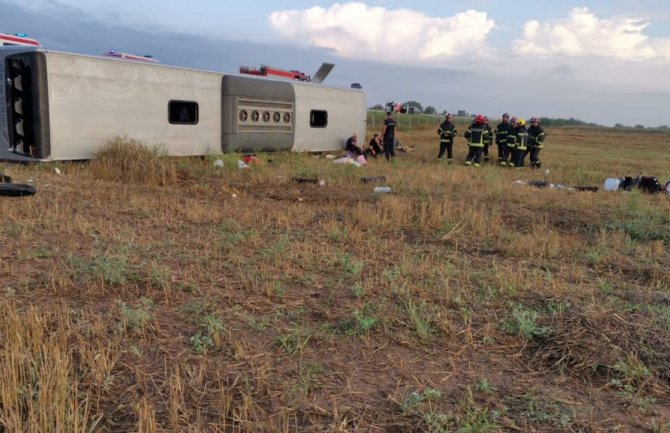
x=520 y=136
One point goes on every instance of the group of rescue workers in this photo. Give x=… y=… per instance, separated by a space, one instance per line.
x=513 y=139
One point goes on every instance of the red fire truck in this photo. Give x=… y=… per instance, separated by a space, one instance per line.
x=269 y=71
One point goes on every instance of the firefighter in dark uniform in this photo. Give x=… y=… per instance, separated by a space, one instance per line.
x=489 y=139
x=501 y=132
x=510 y=143
x=520 y=136
x=447 y=131
x=476 y=134
x=388 y=134
x=535 y=142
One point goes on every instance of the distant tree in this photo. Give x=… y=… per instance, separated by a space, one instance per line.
x=430 y=110
x=564 y=122
x=444 y=112
x=377 y=107
x=663 y=127
x=414 y=104
x=638 y=126
x=619 y=125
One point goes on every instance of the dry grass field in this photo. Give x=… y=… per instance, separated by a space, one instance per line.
x=148 y=294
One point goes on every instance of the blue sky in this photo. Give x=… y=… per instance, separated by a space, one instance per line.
x=600 y=61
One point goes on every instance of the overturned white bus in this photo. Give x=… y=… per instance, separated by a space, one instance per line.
x=64 y=106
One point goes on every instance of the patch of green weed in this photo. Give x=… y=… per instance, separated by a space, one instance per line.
x=524 y=324
x=293 y=342
x=135 y=318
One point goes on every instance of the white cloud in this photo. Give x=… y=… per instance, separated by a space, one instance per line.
x=585 y=34
x=357 y=30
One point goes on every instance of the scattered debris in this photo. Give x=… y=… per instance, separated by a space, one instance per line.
x=649 y=184
x=16 y=189
x=646 y=184
x=5 y=178
x=611 y=184
x=305 y=179
x=540 y=184
x=547 y=184
x=382 y=189
x=587 y=188
x=346 y=160
x=241 y=164
x=251 y=160
x=218 y=163
x=57 y=170
x=369 y=179
x=329 y=156
x=399 y=147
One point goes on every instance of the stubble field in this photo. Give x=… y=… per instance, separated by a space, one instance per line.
x=148 y=294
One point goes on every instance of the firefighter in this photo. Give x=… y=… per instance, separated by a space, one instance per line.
x=501 y=132
x=489 y=139
x=476 y=134
x=535 y=142
x=520 y=137
x=447 y=131
x=509 y=149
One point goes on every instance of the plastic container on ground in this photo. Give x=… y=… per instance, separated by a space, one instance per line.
x=612 y=184
x=382 y=189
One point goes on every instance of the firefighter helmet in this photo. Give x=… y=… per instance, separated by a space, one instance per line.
x=534 y=121
x=521 y=121
x=480 y=119
x=512 y=120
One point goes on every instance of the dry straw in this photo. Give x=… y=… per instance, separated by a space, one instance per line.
x=128 y=161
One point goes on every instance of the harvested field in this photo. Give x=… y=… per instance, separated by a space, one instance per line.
x=202 y=299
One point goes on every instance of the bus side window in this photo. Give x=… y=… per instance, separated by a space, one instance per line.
x=183 y=112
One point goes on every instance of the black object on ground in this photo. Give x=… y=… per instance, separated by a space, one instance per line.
x=627 y=183
x=538 y=183
x=649 y=184
x=587 y=188
x=369 y=179
x=16 y=189
x=5 y=178
x=305 y=180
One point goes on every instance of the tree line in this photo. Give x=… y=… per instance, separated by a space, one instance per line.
x=544 y=121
